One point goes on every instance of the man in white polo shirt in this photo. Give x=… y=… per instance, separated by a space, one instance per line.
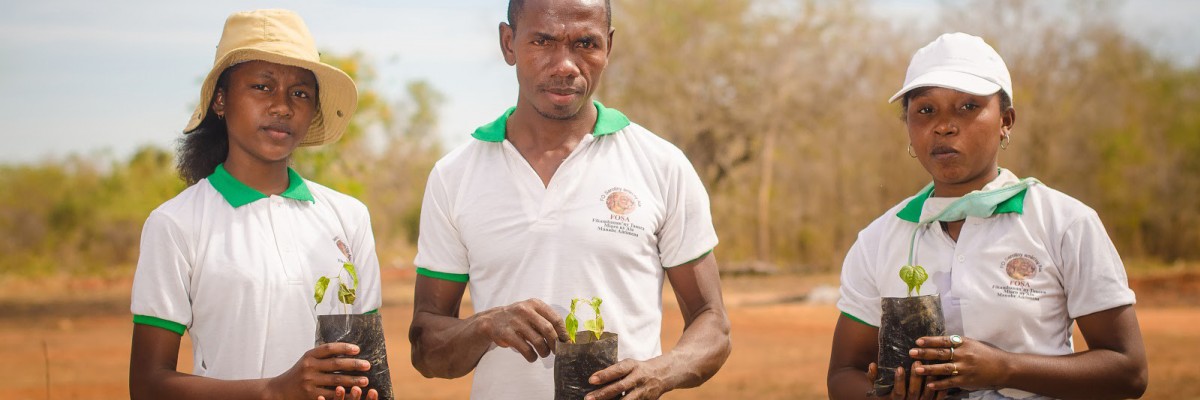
x=562 y=197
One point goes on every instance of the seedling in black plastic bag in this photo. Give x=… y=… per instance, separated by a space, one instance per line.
x=594 y=325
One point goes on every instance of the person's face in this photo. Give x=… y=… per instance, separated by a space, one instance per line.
x=560 y=49
x=267 y=109
x=956 y=136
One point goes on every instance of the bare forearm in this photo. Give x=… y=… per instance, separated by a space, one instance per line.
x=164 y=384
x=701 y=351
x=446 y=347
x=848 y=383
x=1092 y=374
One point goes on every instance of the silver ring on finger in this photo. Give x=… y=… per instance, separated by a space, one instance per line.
x=951 y=354
x=956 y=340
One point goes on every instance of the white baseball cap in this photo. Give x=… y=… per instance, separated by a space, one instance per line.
x=957 y=61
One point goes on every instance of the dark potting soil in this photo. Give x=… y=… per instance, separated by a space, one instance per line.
x=575 y=362
x=365 y=331
x=904 y=320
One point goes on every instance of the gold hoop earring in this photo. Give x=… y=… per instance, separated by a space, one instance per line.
x=1004 y=141
x=911 y=153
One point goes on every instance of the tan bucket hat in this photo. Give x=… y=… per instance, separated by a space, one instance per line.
x=280 y=36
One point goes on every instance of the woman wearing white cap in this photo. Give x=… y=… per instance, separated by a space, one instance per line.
x=1014 y=262
x=233 y=259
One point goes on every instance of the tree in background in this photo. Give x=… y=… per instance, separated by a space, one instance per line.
x=781 y=107
x=83 y=215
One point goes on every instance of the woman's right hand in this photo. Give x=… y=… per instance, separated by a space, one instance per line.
x=314 y=372
x=906 y=387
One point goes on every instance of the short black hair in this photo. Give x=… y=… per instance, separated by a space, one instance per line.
x=515 y=6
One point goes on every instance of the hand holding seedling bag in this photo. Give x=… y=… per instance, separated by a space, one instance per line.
x=906 y=319
x=363 y=330
x=583 y=354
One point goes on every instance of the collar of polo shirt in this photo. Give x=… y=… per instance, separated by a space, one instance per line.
x=608 y=121
x=238 y=194
x=912 y=211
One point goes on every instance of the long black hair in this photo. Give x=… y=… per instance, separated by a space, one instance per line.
x=202 y=149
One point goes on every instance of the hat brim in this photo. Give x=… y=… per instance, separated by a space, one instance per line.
x=337 y=94
x=949 y=79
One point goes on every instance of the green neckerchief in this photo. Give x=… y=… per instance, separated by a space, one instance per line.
x=977 y=203
x=238 y=194
x=608 y=121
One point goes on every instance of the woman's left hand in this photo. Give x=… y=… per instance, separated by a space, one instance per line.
x=967 y=363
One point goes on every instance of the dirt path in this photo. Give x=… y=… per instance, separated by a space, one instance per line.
x=780 y=348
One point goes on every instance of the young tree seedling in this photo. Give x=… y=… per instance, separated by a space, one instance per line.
x=594 y=325
x=914 y=276
x=346 y=294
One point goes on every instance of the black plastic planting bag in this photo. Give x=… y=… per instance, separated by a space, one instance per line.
x=365 y=331
x=905 y=319
x=575 y=362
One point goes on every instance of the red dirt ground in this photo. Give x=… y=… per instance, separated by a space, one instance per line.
x=77 y=346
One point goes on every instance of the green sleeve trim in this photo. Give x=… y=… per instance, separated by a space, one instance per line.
x=375 y=311
x=460 y=278
x=694 y=259
x=855 y=319
x=161 y=323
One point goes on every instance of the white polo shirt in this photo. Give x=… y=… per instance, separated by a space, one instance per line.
x=237 y=269
x=1016 y=279
x=622 y=207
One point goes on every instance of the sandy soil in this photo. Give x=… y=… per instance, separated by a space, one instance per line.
x=77 y=346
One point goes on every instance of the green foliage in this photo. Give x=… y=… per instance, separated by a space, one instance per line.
x=572 y=322
x=346 y=293
x=320 y=288
x=595 y=325
x=914 y=276
x=780 y=106
x=83 y=214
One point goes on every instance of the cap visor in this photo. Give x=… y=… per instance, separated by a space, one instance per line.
x=959 y=81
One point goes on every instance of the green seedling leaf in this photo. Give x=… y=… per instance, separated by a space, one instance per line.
x=596 y=325
x=319 y=289
x=345 y=294
x=572 y=322
x=906 y=274
x=353 y=275
x=919 y=277
x=914 y=276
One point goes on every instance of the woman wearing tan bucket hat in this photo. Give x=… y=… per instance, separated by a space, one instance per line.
x=232 y=260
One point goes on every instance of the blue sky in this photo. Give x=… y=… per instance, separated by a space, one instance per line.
x=100 y=77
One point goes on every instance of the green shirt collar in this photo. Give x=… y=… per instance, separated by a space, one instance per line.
x=238 y=194
x=608 y=120
x=912 y=211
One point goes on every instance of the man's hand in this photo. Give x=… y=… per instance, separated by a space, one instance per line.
x=637 y=379
x=314 y=372
x=530 y=327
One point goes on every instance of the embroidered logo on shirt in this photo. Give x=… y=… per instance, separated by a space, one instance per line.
x=1021 y=268
x=621 y=202
x=341 y=245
